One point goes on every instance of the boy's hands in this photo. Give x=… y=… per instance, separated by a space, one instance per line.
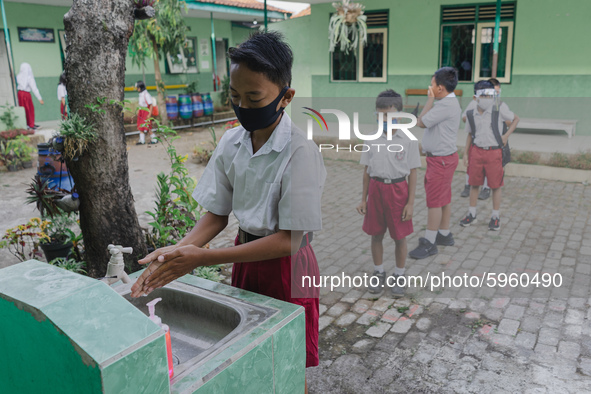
x=362 y=208
x=465 y=159
x=505 y=138
x=168 y=264
x=407 y=212
x=430 y=92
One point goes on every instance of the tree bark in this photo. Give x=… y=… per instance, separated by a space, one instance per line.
x=97 y=39
x=159 y=85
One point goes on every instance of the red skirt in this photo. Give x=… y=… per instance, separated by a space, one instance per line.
x=63 y=111
x=142 y=120
x=273 y=278
x=24 y=100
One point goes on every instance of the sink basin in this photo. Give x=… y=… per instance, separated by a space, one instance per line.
x=201 y=322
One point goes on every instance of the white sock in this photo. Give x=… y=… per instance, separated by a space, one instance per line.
x=485 y=185
x=152 y=137
x=467 y=177
x=379 y=268
x=142 y=137
x=495 y=214
x=472 y=211
x=445 y=233
x=398 y=271
x=431 y=235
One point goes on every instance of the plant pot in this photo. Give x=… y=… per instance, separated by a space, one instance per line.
x=53 y=251
x=27 y=164
x=12 y=167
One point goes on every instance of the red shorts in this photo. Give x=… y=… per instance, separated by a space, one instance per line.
x=438 y=178
x=142 y=120
x=63 y=111
x=485 y=163
x=273 y=278
x=385 y=203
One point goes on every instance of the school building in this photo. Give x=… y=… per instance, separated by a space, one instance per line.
x=543 y=49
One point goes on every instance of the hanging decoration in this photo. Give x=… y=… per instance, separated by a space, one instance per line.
x=347 y=27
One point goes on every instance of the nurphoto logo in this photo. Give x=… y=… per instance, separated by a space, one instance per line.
x=344 y=132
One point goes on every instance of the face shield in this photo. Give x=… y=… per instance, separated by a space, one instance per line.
x=486 y=98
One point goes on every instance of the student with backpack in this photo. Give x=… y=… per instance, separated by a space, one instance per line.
x=489 y=127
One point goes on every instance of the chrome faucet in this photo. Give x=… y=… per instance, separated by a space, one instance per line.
x=116 y=266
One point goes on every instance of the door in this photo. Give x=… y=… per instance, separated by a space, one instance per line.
x=6 y=92
x=221 y=48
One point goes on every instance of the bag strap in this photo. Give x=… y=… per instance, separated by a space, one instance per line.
x=495 y=126
x=470 y=116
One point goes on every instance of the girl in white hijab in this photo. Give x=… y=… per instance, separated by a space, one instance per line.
x=25 y=85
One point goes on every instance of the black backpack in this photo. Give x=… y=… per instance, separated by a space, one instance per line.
x=495 y=127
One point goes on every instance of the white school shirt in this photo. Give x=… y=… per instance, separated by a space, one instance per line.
x=277 y=188
x=26 y=82
x=61 y=91
x=442 y=122
x=485 y=136
x=392 y=165
x=145 y=99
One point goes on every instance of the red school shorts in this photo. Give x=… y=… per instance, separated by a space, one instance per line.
x=274 y=278
x=485 y=163
x=385 y=203
x=438 y=178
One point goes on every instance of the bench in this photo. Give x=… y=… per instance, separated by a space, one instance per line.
x=569 y=126
x=421 y=92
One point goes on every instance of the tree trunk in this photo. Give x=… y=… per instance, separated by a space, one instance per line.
x=97 y=38
x=159 y=85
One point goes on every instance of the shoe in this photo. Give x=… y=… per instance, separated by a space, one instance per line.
x=466 y=191
x=153 y=142
x=424 y=250
x=468 y=220
x=484 y=193
x=380 y=286
x=140 y=143
x=444 y=240
x=398 y=291
x=494 y=224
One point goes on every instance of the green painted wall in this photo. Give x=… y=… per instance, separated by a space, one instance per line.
x=550 y=55
x=45 y=58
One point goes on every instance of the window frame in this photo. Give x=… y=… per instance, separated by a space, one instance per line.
x=478 y=49
x=360 y=63
x=343 y=80
x=475 y=24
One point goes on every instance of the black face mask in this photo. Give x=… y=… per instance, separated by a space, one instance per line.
x=258 y=118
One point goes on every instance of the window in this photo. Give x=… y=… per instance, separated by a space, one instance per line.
x=185 y=59
x=467 y=34
x=367 y=63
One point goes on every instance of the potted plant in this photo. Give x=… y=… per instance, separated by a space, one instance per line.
x=347 y=26
x=9 y=119
x=57 y=241
x=23 y=151
x=23 y=240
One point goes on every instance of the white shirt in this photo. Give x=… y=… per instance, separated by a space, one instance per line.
x=61 y=91
x=442 y=122
x=26 y=82
x=392 y=165
x=485 y=136
x=277 y=188
x=145 y=99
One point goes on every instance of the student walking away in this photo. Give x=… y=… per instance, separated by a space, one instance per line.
x=271 y=176
x=389 y=183
x=25 y=82
x=488 y=128
x=144 y=125
x=61 y=96
x=441 y=120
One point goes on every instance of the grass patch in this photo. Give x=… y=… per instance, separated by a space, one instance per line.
x=526 y=157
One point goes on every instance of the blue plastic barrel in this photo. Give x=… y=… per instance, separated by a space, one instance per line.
x=49 y=167
x=172 y=109
x=186 y=106
x=207 y=104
